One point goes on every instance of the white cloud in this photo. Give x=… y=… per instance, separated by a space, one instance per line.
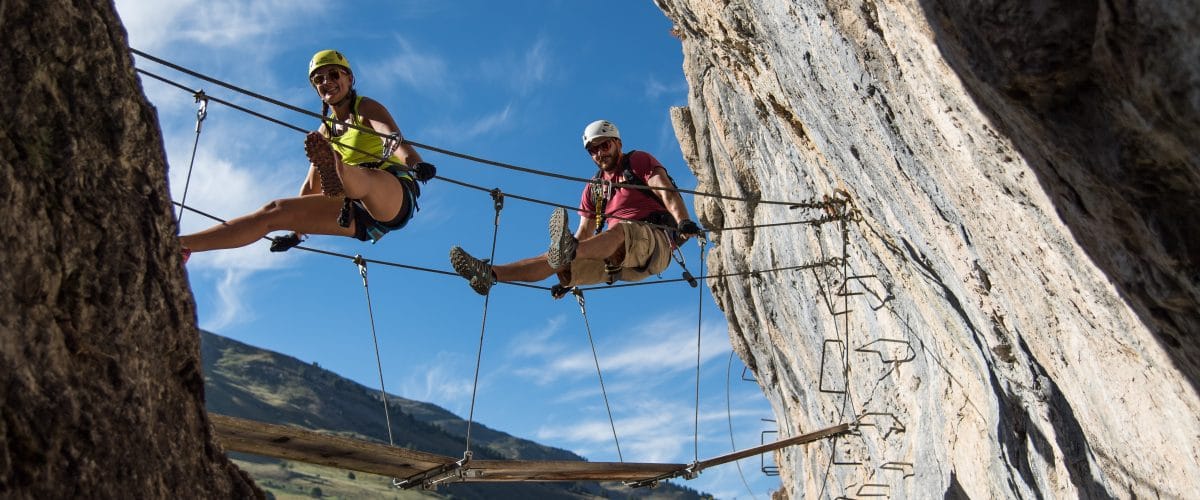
x=656 y=89
x=439 y=382
x=417 y=67
x=655 y=431
x=153 y=25
x=532 y=71
x=663 y=345
x=539 y=341
x=461 y=133
x=230 y=304
x=524 y=72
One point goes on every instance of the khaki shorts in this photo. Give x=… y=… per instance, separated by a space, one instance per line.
x=647 y=252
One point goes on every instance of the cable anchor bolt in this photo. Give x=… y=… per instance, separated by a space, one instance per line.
x=202 y=109
x=362 y=267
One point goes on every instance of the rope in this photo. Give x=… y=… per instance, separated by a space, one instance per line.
x=498 y=202
x=392 y=140
x=846 y=396
x=812 y=265
x=811 y=204
x=699 y=331
x=201 y=114
x=362 y=271
x=265 y=117
x=351 y=257
x=793 y=204
x=596 y=359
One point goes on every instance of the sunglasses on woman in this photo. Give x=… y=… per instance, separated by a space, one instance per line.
x=328 y=76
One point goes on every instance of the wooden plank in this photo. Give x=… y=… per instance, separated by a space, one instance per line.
x=794 y=440
x=303 y=445
x=564 y=470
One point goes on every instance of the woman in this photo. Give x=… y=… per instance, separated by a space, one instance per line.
x=356 y=185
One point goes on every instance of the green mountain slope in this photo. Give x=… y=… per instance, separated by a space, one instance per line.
x=248 y=382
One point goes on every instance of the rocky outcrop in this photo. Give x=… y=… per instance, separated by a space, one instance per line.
x=99 y=352
x=1015 y=312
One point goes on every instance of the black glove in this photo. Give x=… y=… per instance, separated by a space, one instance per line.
x=283 y=243
x=424 y=171
x=689 y=228
x=559 y=291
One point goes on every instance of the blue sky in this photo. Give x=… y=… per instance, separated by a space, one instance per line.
x=514 y=82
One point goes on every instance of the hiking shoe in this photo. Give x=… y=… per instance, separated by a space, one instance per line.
x=478 y=272
x=562 y=242
x=319 y=153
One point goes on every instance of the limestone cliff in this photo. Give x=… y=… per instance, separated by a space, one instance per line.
x=1016 y=314
x=100 y=376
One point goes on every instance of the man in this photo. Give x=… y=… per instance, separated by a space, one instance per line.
x=629 y=251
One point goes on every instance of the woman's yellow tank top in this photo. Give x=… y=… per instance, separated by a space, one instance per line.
x=357 y=147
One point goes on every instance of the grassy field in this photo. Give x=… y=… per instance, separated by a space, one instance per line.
x=294 y=480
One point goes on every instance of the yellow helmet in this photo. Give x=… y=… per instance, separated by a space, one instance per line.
x=326 y=58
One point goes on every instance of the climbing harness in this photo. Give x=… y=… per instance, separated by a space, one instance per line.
x=603 y=190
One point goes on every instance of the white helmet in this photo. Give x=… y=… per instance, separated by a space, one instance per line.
x=600 y=128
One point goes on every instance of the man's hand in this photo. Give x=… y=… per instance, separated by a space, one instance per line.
x=689 y=228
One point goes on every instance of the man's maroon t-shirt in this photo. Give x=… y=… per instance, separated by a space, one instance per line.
x=626 y=203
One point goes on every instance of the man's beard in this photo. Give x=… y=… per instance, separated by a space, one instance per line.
x=610 y=161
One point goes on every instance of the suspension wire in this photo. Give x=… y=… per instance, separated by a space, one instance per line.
x=222 y=101
x=729 y=420
x=362 y=271
x=793 y=204
x=699 y=331
x=201 y=114
x=498 y=203
x=596 y=359
x=812 y=265
x=351 y=257
x=825 y=204
x=276 y=121
x=813 y=222
x=814 y=204
x=844 y=240
x=498 y=198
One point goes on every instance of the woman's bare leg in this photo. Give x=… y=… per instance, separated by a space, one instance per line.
x=311 y=214
x=380 y=191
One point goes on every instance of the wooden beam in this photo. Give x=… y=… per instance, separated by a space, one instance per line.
x=564 y=470
x=304 y=445
x=794 y=440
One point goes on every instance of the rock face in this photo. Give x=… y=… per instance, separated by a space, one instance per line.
x=1015 y=312
x=99 y=352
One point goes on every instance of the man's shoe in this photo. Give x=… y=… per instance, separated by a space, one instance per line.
x=478 y=272
x=562 y=242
